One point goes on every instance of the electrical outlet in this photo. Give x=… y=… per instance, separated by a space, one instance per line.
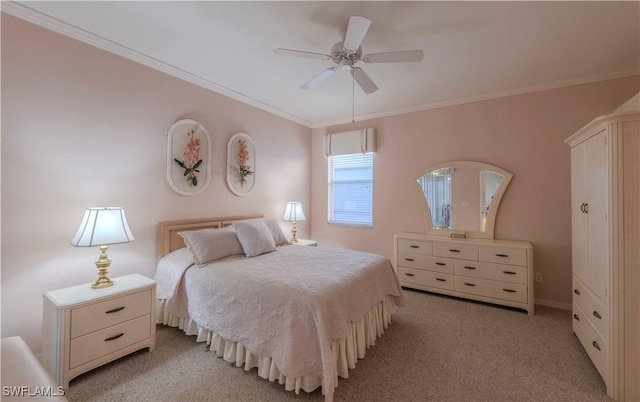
x=538 y=276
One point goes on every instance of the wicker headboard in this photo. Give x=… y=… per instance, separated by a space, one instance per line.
x=169 y=240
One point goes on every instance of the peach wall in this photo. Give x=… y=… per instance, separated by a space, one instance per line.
x=82 y=127
x=523 y=134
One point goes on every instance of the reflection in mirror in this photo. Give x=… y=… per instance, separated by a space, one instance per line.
x=462 y=196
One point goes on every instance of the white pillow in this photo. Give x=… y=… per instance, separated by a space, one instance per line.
x=255 y=237
x=276 y=231
x=207 y=245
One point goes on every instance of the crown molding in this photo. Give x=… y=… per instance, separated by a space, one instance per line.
x=30 y=15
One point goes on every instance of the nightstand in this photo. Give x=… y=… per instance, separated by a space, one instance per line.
x=305 y=242
x=84 y=328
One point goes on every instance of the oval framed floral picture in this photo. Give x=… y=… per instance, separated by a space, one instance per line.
x=188 y=157
x=241 y=164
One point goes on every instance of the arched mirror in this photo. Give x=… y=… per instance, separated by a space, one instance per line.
x=462 y=196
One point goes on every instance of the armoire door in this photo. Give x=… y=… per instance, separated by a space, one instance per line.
x=590 y=195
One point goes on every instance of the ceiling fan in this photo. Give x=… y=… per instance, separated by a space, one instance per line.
x=348 y=52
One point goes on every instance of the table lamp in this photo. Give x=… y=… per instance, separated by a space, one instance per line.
x=293 y=213
x=100 y=227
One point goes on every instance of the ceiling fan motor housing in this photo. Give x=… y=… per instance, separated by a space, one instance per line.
x=344 y=58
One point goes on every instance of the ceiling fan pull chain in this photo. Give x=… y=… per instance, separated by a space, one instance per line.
x=353 y=97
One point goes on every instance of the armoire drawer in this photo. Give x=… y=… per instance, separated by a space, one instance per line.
x=456 y=250
x=503 y=255
x=426 y=262
x=595 y=345
x=496 y=272
x=499 y=290
x=426 y=278
x=594 y=309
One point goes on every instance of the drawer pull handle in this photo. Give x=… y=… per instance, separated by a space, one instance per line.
x=440 y=263
x=576 y=317
x=595 y=345
x=596 y=314
x=470 y=284
x=508 y=272
x=469 y=267
x=113 y=338
x=410 y=274
x=509 y=290
x=414 y=246
x=441 y=280
x=409 y=259
x=453 y=250
x=502 y=255
x=115 y=310
x=576 y=291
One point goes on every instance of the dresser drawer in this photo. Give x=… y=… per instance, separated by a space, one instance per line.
x=499 y=290
x=485 y=270
x=415 y=246
x=503 y=255
x=426 y=262
x=595 y=345
x=109 y=312
x=426 y=278
x=97 y=344
x=594 y=309
x=456 y=250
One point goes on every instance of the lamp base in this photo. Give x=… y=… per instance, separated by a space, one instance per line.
x=294 y=231
x=103 y=266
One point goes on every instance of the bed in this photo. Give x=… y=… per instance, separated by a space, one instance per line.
x=302 y=316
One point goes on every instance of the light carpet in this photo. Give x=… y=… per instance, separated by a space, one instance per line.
x=437 y=348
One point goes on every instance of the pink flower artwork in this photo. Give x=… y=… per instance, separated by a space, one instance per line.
x=192 y=159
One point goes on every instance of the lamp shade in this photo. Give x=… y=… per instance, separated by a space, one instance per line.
x=102 y=226
x=293 y=212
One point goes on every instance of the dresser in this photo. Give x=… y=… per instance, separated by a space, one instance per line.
x=84 y=328
x=605 y=209
x=488 y=270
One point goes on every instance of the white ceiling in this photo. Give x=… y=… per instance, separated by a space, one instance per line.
x=473 y=50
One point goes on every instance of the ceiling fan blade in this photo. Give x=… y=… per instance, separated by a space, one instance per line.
x=300 y=53
x=363 y=80
x=402 y=56
x=315 y=81
x=357 y=29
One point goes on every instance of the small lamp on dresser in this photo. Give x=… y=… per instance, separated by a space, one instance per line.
x=100 y=227
x=293 y=213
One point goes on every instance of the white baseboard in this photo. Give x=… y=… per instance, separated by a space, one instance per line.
x=555 y=304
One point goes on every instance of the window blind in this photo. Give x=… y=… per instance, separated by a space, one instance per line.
x=351 y=189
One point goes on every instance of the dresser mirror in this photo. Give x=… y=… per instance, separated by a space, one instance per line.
x=462 y=196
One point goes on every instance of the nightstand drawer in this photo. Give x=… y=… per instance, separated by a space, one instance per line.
x=109 y=312
x=94 y=345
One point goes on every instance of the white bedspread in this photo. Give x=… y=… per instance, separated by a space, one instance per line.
x=289 y=304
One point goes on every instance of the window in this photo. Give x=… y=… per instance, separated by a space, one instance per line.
x=351 y=189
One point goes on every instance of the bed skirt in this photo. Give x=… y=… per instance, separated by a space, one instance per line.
x=362 y=335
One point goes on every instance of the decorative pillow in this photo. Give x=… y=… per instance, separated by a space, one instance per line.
x=276 y=231
x=207 y=245
x=255 y=237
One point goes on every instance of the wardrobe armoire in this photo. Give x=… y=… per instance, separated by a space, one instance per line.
x=605 y=198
